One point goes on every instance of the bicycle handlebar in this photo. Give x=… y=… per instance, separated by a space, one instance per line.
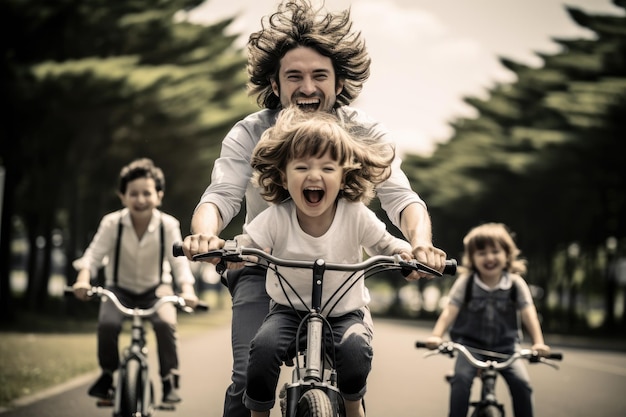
x=232 y=252
x=448 y=348
x=177 y=300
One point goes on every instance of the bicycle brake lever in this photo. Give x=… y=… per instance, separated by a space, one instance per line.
x=424 y=268
x=548 y=362
x=221 y=267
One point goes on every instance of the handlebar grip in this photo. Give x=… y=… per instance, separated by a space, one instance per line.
x=419 y=344
x=450 y=268
x=177 y=249
x=556 y=356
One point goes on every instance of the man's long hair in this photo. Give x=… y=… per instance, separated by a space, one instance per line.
x=297 y=23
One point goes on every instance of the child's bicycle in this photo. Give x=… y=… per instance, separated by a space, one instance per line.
x=133 y=394
x=487 y=370
x=313 y=390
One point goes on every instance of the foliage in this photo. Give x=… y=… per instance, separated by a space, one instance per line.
x=90 y=85
x=544 y=154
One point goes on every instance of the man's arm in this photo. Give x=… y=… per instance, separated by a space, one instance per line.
x=206 y=224
x=416 y=227
x=206 y=219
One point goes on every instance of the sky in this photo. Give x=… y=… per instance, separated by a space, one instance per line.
x=429 y=54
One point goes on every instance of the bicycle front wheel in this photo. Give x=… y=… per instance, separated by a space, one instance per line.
x=489 y=411
x=315 y=403
x=131 y=389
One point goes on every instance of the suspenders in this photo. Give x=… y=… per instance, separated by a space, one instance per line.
x=120 y=227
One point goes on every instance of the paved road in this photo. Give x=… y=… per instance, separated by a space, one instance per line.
x=402 y=384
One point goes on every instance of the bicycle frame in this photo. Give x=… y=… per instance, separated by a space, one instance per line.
x=318 y=371
x=134 y=391
x=487 y=393
x=487 y=370
x=135 y=352
x=314 y=384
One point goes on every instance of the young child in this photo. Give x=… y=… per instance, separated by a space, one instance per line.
x=135 y=240
x=488 y=319
x=318 y=177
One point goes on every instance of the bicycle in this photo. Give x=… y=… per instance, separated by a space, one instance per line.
x=487 y=370
x=313 y=390
x=133 y=394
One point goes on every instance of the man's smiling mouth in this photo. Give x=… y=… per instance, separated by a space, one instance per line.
x=312 y=104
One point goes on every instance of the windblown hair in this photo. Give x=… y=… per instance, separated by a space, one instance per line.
x=490 y=234
x=296 y=24
x=296 y=134
x=141 y=168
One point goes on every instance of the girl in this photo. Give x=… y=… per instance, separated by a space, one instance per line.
x=318 y=177
x=483 y=311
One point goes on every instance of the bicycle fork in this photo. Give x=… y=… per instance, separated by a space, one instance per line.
x=133 y=376
x=316 y=373
x=488 y=391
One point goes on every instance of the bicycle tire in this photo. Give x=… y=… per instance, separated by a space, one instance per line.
x=488 y=411
x=131 y=392
x=315 y=403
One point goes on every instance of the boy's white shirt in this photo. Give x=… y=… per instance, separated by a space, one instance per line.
x=139 y=259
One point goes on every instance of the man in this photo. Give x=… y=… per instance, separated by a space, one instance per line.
x=312 y=59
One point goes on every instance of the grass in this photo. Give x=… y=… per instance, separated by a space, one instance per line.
x=49 y=351
x=30 y=362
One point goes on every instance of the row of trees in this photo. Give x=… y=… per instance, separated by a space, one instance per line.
x=88 y=86
x=545 y=156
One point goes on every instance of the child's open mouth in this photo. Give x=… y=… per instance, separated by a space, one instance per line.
x=313 y=195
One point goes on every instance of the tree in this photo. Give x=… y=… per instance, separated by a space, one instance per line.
x=542 y=155
x=94 y=84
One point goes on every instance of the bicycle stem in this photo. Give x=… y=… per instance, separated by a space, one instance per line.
x=319 y=267
x=316 y=325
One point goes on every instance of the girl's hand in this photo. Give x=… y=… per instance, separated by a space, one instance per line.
x=541 y=349
x=433 y=342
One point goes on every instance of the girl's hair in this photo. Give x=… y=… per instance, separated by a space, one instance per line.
x=490 y=234
x=296 y=24
x=366 y=162
x=141 y=168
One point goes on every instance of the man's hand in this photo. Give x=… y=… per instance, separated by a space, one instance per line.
x=202 y=243
x=430 y=256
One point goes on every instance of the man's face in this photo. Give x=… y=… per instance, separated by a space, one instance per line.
x=307 y=79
